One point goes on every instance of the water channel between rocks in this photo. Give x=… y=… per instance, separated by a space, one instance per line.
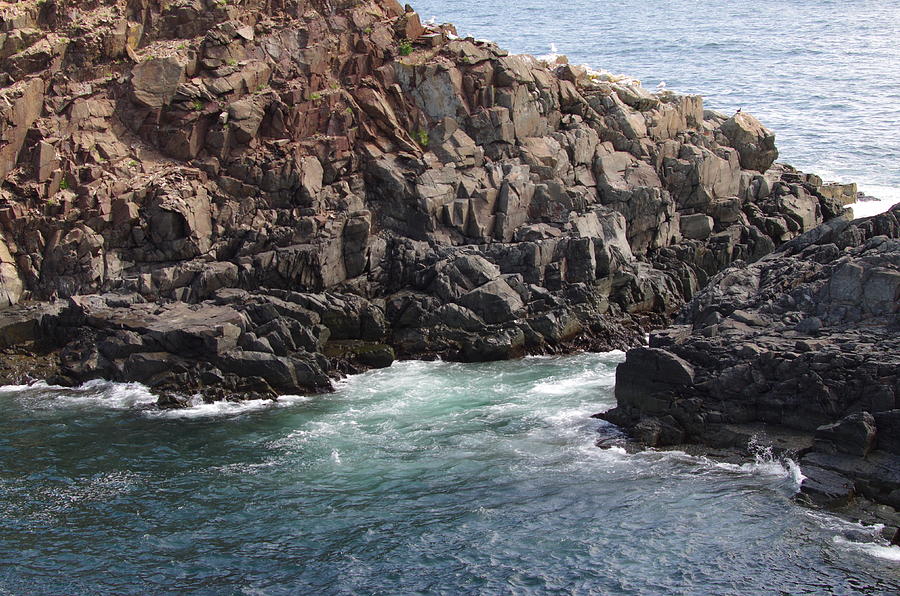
x=427 y=477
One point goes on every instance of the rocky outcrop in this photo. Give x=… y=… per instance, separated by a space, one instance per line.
x=421 y=194
x=802 y=342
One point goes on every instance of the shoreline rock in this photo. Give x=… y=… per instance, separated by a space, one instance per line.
x=253 y=199
x=803 y=341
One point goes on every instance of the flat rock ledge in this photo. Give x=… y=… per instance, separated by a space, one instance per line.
x=802 y=344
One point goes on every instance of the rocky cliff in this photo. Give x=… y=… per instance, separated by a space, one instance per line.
x=244 y=196
x=802 y=347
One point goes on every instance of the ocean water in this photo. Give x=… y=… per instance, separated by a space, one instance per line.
x=824 y=75
x=424 y=478
x=445 y=478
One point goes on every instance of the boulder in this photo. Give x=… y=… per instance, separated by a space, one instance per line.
x=494 y=302
x=696 y=227
x=155 y=81
x=855 y=435
x=754 y=142
x=648 y=371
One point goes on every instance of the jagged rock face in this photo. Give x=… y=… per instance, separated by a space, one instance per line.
x=804 y=339
x=179 y=150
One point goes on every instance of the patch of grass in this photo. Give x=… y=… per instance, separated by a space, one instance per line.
x=406 y=48
x=64 y=184
x=197 y=105
x=367 y=31
x=231 y=62
x=314 y=96
x=421 y=137
x=349 y=110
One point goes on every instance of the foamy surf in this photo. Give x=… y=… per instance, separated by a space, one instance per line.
x=579 y=382
x=225 y=408
x=881 y=551
x=764 y=464
x=887 y=196
x=93 y=394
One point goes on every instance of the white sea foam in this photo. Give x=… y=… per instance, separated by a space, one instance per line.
x=36 y=386
x=882 y=551
x=227 y=408
x=98 y=393
x=766 y=464
x=551 y=56
x=887 y=195
x=779 y=469
x=589 y=379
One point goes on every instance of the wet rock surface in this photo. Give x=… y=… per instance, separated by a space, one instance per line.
x=804 y=340
x=244 y=199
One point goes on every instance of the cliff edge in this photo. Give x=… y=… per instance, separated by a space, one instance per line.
x=238 y=197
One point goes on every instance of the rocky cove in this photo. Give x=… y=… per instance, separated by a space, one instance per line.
x=244 y=199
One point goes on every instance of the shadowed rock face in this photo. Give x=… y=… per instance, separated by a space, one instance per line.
x=293 y=162
x=804 y=341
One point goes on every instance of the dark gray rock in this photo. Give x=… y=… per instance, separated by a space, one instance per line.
x=826 y=488
x=790 y=341
x=854 y=434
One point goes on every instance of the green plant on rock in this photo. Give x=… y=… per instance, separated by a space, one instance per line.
x=64 y=184
x=421 y=137
x=314 y=96
x=367 y=30
x=406 y=48
x=231 y=62
x=197 y=105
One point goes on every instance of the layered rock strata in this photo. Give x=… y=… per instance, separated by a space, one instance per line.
x=252 y=196
x=802 y=344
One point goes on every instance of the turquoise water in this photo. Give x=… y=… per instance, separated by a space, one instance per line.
x=428 y=478
x=823 y=74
